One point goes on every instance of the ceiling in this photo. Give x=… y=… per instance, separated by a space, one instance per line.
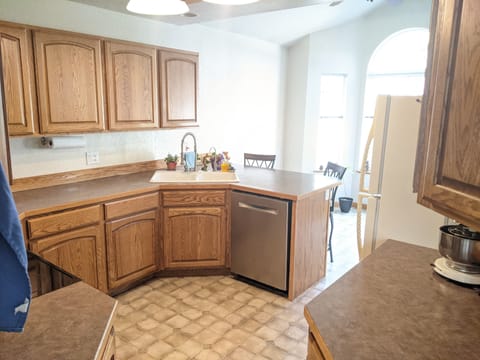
x=265 y=19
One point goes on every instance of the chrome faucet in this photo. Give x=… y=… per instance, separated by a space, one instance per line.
x=194 y=150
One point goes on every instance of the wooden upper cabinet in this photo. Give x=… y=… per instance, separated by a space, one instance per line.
x=179 y=88
x=132 y=86
x=69 y=82
x=449 y=136
x=18 y=80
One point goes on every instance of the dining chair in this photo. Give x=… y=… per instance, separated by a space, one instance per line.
x=336 y=171
x=259 y=160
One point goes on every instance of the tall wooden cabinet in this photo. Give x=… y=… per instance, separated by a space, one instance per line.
x=70 y=82
x=18 y=80
x=132 y=238
x=132 y=86
x=179 y=88
x=448 y=157
x=74 y=241
x=195 y=229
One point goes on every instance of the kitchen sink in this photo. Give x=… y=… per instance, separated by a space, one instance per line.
x=196 y=176
x=217 y=176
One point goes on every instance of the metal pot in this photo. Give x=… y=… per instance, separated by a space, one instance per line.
x=461 y=246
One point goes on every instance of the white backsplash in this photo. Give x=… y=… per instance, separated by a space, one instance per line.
x=30 y=159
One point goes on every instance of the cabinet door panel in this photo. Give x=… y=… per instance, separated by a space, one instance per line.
x=70 y=82
x=131 y=246
x=18 y=81
x=132 y=86
x=194 y=237
x=80 y=252
x=451 y=180
x=179 y=83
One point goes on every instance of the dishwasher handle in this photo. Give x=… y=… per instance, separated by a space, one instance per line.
x=262 y=209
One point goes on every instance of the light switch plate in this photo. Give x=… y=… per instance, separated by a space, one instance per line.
x=93 y=157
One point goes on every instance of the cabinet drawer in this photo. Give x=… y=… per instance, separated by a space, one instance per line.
x=64 y=221
x=131 y=205
x=193 y=198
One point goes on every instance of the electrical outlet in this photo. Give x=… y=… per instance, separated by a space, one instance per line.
x=92 y=157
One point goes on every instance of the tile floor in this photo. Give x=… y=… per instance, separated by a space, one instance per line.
x=218 y=317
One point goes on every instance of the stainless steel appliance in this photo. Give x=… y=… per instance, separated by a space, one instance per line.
x=260 y=238
x=460 y=248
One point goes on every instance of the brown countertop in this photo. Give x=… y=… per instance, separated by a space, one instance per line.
x=70 y=323
x=393 y=306
x=283 y=184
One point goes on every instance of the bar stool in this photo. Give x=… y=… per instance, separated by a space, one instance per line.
x=336 y=171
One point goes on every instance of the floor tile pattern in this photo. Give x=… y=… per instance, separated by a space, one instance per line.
x=219 y=317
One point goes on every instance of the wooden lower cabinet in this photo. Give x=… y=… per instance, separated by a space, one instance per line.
x=314 y=351
x=194 y=237
x=119 y=243
x=132 y=238
x=131 y=248
x=80 y=252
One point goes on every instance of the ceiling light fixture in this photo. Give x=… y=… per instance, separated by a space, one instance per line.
x=231 y=2
x=158 y=7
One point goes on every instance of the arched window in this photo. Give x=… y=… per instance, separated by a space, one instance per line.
x=397 y=67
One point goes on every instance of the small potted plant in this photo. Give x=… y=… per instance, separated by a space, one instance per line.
x=171 y=161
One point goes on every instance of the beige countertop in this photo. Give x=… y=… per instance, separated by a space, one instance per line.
x=69 y=323
x=283 y=184
x=393 y=306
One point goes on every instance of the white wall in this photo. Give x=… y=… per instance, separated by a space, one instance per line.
x=295 y=96
x=345 y=49
x=241 y=82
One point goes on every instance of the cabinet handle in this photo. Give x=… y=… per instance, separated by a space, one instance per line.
x=258 y=208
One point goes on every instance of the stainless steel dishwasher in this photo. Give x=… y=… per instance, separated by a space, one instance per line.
x=260 y=238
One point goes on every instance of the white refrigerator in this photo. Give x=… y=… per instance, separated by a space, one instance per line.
x=386 y=187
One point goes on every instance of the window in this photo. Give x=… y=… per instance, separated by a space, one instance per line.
x=397 y=67
x=331 y=122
